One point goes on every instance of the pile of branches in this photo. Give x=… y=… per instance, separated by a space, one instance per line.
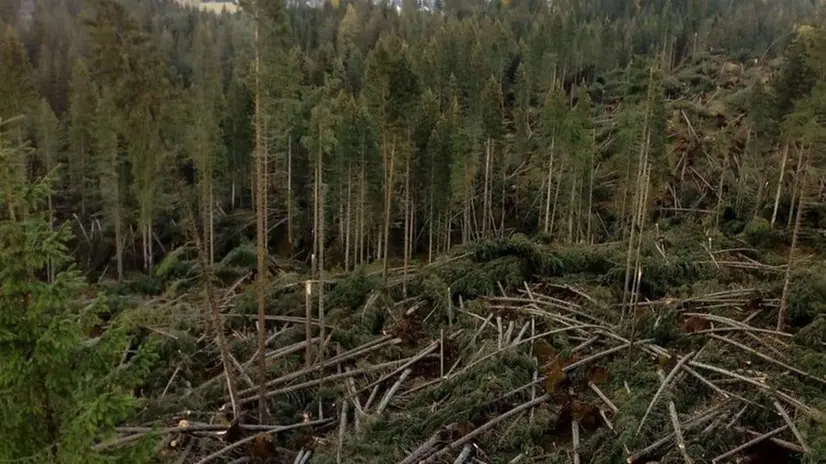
x=545 y=370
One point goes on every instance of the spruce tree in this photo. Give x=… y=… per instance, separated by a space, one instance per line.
x=62 y=390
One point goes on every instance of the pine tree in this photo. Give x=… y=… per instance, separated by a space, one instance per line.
x=62 y=391
x=109 y=166
x=82 y=107
x=18 y=93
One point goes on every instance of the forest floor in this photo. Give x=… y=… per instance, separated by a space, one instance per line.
x=511 y=349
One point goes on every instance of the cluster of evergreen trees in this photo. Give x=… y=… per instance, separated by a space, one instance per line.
x=404 y=129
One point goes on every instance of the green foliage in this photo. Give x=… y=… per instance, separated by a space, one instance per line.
x=807 y=296
x=62 y=390
x=353 y=291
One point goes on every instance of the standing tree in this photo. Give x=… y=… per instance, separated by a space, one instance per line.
x=62 y=390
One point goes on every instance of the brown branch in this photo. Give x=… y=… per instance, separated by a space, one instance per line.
x=471 y=435
x=748 y=444
x=238 y=443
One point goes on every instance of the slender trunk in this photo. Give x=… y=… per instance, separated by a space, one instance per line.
x=571 y=208
x=591 y=192
x=638 y=196
x=780 y=183
x=150 y=250
x=316 y=241
x=362 y=207
x=349 y=213
x=118 y=225
x=290 y=192
x=430 y=219
x=407 y=225
x=548 y=191
x=211 y=213
x=784 y=300
x=215 y=313
x=795 y=190
x=486 y=190
x=632 y=234
x=556 y=200
x=449 y=227
x=388 y=194
x=49 y=263
x=82 y=180
x=261 y=231
x=626 y=190
x=321 y=247
x=504 y=186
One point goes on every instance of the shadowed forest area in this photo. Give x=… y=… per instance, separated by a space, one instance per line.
x=505 y=231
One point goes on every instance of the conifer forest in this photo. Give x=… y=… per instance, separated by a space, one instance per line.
x=413 y=231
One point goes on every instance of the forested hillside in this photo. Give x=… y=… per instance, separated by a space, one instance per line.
x=451 y=231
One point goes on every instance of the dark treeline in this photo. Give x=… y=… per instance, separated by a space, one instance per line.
x=408 y=129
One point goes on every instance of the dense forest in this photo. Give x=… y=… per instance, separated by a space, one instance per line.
x=454 y=231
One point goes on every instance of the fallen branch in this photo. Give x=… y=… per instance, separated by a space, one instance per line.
x=791 y=425
x=663 y=386
x=471 y=435
x=748 y=444
x=767 y=358
x=389 y=395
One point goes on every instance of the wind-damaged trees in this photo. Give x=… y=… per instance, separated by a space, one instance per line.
x=392 y=89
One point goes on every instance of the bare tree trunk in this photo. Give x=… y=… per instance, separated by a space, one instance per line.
x=348 y=216
x=449 y=227
x=571 y=208
x=504 y=187
x=638 y=198
x=118 y=228
x=780 y=183
x=407 y=225
x=795 y=189
x=362 y=207
x=430 y=220
x=556 y=200
x=261 y=231
x=486 y=190
x=784 y=300
x=591 y=192
x=548 y=191
x=290 y=192
x=215 y=313
x=388 y=197
x=321 y=248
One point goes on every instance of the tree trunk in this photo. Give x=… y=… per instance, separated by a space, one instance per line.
x=261 y=231
x=548 y=191
x=591 y=191
x=795 y=189
x=486 y=191
x=362 y=207
x=348 y=215
x=784 y=300
x=215 y=313
x=407 y=225
x=556 y=199
x=321 y=247
x=290 y=192
x=388 y=197
x=571 y=208
x=430 y=218
x=780 y=183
